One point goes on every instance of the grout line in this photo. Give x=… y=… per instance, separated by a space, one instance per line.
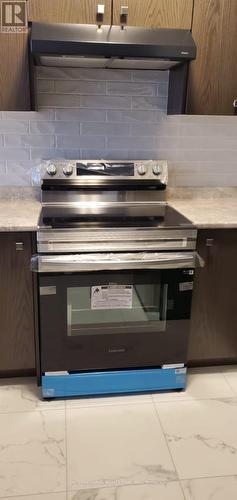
x=30 y=495
x=66 y=447
x=207 y=477
x=182 y=489
x=230 y=386
x=171 y=456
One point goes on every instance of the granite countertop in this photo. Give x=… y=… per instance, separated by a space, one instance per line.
x=19 y=209
x=205 y=207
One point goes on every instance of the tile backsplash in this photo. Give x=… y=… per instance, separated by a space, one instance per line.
x=115 y=114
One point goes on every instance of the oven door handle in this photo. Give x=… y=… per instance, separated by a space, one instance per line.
x=114 y=261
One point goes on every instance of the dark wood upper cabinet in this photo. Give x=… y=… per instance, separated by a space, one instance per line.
x=156 y=13
x=16 y=304
x=14 y=64
x=214 y=313
x=67 y=11
x=14 y=72
x=213 y=75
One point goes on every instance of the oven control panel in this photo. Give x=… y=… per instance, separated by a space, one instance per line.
x=130 y=170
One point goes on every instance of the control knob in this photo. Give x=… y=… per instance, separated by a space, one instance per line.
x=142 y=169
x=156 y=170
x=68 y=170
x=51 y=169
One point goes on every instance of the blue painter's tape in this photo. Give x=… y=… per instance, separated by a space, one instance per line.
x=112 y=382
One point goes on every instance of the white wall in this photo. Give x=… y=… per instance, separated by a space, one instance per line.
x=117 y=114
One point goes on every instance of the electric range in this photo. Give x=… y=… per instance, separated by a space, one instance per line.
x=115 y=267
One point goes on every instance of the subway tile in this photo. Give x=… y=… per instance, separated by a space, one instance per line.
x=2 y=168
x=47 y=154
x=14 y=153
x=120 y=154
x=148 y=154
x=220 y=131
x=104 y=129
x=198 y=154
x=197 y=180
x=80 y=87
x=161 y=129
x=125 y=88
x=104 y=154
x=65 y=141
x=69 y=154
x=19 y=173
x=105 y=102
x=32 y=141
x=149 y=103
x=135 y=116
x=14 y=127
x=45 y=85
x=150 y=76
x=29 y=115
x=162 y=89
x=43 y=153
x=55 y=127
x=133 y=142
x=58 y=100
x=83 y=74
x=82 y=115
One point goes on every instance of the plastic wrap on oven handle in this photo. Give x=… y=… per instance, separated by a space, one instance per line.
x=115 y=261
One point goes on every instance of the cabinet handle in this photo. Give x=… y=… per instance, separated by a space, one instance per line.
x=19 y=246
x=100 y=15
x=209 y=242
x=123 y=16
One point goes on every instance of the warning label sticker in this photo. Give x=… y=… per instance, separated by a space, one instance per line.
x=111 y=296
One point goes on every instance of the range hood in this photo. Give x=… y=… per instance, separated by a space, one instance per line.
x=83 y=45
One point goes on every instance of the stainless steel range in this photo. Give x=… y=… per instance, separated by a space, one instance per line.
x=115 y=268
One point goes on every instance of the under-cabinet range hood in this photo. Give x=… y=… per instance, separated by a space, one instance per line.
x=83 y=45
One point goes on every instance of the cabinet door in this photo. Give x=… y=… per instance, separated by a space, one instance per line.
x=156 y=13
x=14 y=77
x=16 y=304
x=213 y=75
x=214 y=311
x=69 y=11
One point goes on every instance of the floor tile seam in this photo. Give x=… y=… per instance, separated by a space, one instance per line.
x=125 y=484
x=230 y=386
x=191 y=400
x=34 y=495
x=121 y=405
x=66 y=448
x=35 y=411
x=182 y=489
x=200 y=478
x=161 y=426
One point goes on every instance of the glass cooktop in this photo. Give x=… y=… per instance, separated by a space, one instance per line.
x=72 y=217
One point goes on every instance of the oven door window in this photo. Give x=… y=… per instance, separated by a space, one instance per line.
x=117 y=302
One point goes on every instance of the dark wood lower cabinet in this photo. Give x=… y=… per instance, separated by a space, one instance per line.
x=16 y=305
x=214 y=312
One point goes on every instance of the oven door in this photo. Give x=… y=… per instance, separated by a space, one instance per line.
x=113 y=311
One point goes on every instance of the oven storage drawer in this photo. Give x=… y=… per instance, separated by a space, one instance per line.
x=114 y=261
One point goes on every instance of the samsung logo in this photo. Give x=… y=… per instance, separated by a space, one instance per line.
x=112 y=350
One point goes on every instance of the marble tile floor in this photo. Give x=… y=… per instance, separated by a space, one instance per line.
x=169 y=446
